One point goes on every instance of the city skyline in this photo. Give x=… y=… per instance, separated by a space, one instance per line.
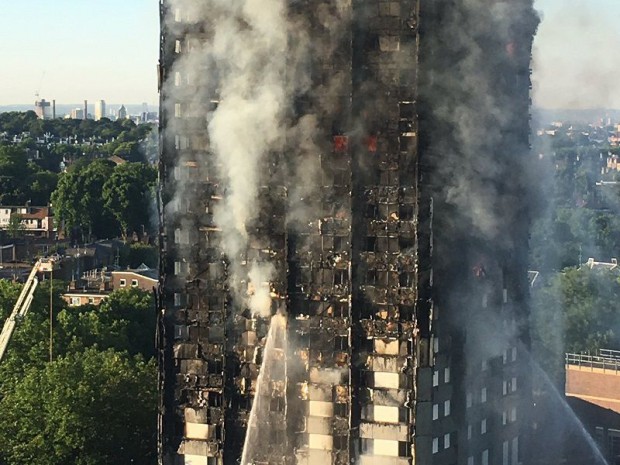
x=59 y=62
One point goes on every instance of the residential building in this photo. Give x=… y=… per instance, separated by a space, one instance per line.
x=593 y=392
x=96 y=285
x=389 y=207
x=38 y=221
x=76 y=297
x=143 y=277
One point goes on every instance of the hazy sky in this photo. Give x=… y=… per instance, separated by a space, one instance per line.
x=576 y=61
x=71 y=50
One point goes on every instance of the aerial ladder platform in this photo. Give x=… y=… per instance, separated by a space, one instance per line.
x=20 y=310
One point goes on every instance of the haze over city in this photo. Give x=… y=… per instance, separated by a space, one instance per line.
x=71 y=50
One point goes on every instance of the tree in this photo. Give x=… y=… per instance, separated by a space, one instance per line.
x=575 y=311
x=123 y=322
x=139 y=253
x=9 y=292
x=14 y=170
x=15 y=227
x=79 y=203
x=128 y=195
x=42 y=184
x=89 y=408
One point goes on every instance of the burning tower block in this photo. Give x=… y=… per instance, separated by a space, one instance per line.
x=344 y=231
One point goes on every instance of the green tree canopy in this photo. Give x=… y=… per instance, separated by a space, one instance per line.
x=78 y=199
x=128 y=195
x=88 y=408
x=576 y=311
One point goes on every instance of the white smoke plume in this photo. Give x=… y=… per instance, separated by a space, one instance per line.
x=242 y=67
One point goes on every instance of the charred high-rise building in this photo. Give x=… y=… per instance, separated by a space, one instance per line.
x=344 y=204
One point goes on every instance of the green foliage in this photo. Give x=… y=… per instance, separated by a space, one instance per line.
x=15 y=227
x=136 y=254
x=64 y=139
x=96 y=402
x=124 y=322
x=128 y=195
x=9 y=292
x=102 y=199
x=79 y=203
x=576 y=311
x=88 y=408
x=13 y=171
x=21 y=181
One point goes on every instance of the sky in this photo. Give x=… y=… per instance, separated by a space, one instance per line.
x=72 y=50
x=576 y=49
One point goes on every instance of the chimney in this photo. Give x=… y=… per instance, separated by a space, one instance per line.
x=54 y=109
x=85 y=109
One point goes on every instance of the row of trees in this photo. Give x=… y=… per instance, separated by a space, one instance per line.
x=16 y=123
x=96 y=402
x=104 y=199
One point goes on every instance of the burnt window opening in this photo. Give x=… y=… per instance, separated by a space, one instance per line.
x=406 y=126
x=341 y=343
x=405 y=212
x=372 y=277
x=340 y=178
x=406 y=143
x=393 y=245
x=404 y=449
x=341 y=277
x=315 y=308
x=340 y=243
x=215 y=367
x=215 y=399
x=406 y=243
x=407 y=110
x=371 y=42
x=341 y=309
x=277 y=404
x=341 y=442
x=406 y=312
x=371 y=243
x=215 y=303
x=389 y=178
x=341 y=410
x=371 y=210
x=406 y=279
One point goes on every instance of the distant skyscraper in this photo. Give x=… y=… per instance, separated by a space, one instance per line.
x=99 y=109
x=42 y=109
x=77 y=113
x=122 y=112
